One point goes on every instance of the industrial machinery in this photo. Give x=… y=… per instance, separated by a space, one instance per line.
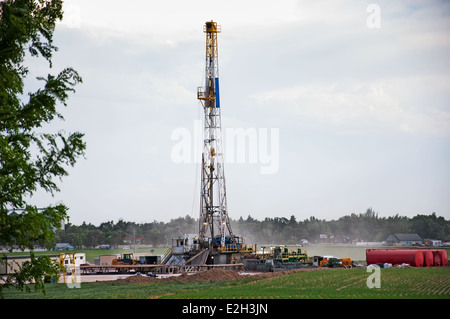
x=283 y=258
x=214 y=224
x=333 y=262
x=125 y=259
x=346 y=262
x=215 y=241
x=282 y=254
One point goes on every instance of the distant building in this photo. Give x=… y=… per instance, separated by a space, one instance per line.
x=63 y=246
x=432 y=242
x=404 y=240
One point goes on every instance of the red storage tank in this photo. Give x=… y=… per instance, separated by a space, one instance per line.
x=412 y=257
x=443 y=254
x=436 y=258
x=428 y=258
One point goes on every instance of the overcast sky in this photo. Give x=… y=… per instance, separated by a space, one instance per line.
x=349 y=101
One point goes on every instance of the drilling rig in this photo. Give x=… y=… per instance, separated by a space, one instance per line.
x=215 y=242
x=214 y=225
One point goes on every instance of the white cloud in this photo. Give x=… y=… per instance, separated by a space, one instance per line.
x=172 y=21
x=353 y=105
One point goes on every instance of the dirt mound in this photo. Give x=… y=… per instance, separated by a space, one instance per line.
x=215 y=274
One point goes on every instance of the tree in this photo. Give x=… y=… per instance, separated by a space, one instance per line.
x=93 y=238
x=430 y=226
x=30 y=159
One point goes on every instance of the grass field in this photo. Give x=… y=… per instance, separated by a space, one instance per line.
x=408 y=283
x=339 y=284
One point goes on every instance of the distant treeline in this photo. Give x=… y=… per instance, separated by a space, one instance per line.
x=278 y=230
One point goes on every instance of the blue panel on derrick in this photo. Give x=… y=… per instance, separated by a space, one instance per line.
x=216 y=84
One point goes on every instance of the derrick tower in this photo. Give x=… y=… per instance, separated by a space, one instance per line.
x=213 y=222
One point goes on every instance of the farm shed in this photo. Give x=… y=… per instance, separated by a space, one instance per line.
x=63 y=246
x=404 y=240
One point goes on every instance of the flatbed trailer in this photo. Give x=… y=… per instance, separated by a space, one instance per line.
x=157 y=269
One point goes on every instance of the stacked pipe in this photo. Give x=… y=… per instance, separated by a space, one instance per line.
x=413 y=257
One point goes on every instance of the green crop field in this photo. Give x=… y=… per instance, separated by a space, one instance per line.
x=328 y=284
x=109 y=290
x=341 y=284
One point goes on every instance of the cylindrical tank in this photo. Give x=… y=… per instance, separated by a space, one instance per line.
x=428 y=259
x=436 y=258
x=412 y=257
x=443 y=254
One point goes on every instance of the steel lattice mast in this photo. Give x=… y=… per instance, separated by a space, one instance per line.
x=213 y=221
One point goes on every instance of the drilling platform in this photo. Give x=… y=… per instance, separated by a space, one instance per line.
x=215 y=242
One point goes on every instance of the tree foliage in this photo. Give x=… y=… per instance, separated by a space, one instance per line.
x=30 y=158
x=351 y=228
